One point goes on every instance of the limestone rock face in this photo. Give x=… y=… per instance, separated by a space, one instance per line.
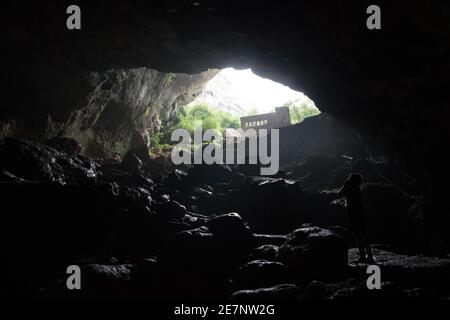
x=36 y=162
x=279 y=292
x=116 y=104
x=123 y=101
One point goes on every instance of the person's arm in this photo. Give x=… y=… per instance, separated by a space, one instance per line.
x=343 y=189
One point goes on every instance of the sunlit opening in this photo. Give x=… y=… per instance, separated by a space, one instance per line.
x=242 y=93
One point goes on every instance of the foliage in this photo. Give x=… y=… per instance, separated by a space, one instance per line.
x=301 y=111
x=210 y=118
x=156 y=140
x=169 y=77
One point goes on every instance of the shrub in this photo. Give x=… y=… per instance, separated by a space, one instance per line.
x=303 y=110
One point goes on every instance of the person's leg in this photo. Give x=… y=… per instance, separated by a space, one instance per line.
x=360 y=244
x=367 y=248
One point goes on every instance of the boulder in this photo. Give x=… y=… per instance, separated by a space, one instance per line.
x=134 y=197
x=215 y=173
x=194 y=265
x=354 y=289
x=315 y=252
x=100 y=281
x=36 y=162
x=170 y=209
x=176 y=179
x=279 y=292
x=131 y=163
x=139 y=146
x=316 y=171
x=344 y=233
x=64 y=144
x=197 y=263
x=123 y=178
x=238 y=180
x=260 y=274
x=265 y=252
x=408 y=270
x=232 y=228
x=200 y=192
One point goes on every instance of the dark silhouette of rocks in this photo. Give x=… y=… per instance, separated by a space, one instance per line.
x=201 y=233
x=131 y=163
x=64 y=144
x=281 y=292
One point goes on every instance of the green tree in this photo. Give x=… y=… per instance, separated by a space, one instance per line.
x=211 y=118
x=301 y=111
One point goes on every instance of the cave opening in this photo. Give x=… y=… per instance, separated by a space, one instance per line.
x=242 y=93
x=233 y=100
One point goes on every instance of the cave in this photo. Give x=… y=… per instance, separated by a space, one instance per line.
x=83 y=186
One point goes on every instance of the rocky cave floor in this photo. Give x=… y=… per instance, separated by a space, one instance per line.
x=211 y=232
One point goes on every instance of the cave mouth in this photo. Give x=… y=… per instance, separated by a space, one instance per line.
x=226 y=101
x=242 y=93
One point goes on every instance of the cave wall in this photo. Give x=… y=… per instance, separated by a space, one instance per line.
x=123 y=101
x=117 y=104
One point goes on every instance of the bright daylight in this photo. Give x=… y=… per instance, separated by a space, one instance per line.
x=241 y=93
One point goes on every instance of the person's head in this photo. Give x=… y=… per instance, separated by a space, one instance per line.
x=355 y=179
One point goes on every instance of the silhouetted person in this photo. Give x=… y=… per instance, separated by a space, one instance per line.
x=355 y=211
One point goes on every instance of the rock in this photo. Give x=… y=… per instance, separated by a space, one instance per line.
x=231 y=226
x=260 y=200
x=134 y=197
x=344 y=233
x=194 y=264
x=270 y=239
x=266 y=252
x=317 y=170
x=238 y=180
x=279 y=292
x=200 y=192
x=147 y=275
x=131 y=163
x=64 y=144
x=133 y=232
x=280 y=175
x=409 y=271
x=260 y=274
x=138 y=146
x=107 y=281
x=6 y=176
x=198 y=264
x=215 y=173
x=123 y=178
x=317 y=290
x=36 y=162
x=225 y=224
x=176 y=179
x=354 y=289
x=170 y=209
x=315 y=252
